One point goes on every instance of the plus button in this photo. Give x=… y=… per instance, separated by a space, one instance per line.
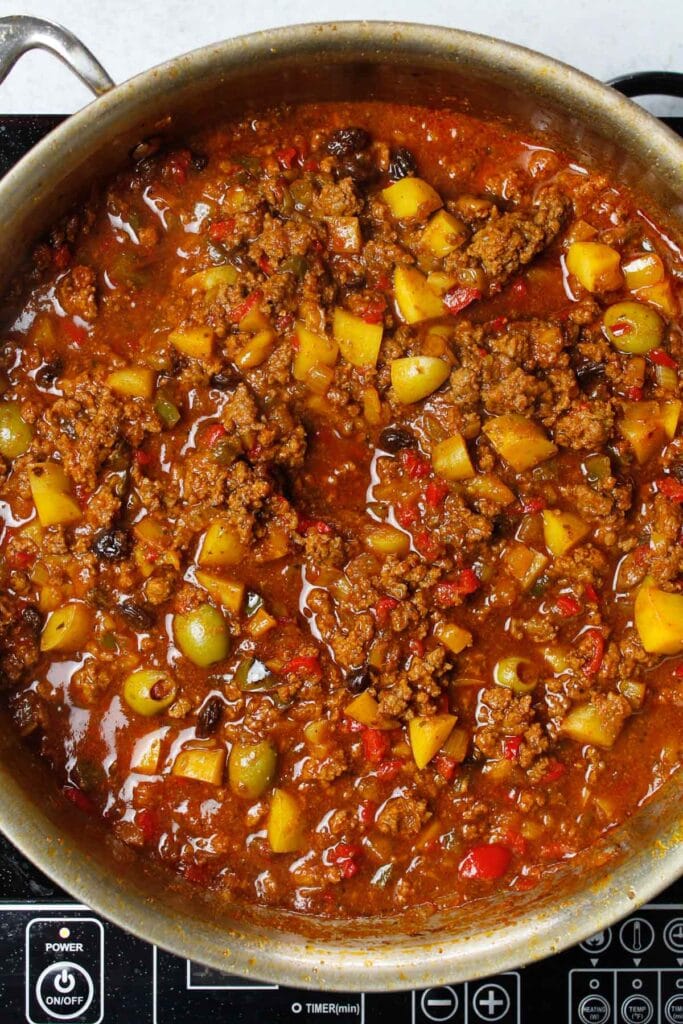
x=491 y=1002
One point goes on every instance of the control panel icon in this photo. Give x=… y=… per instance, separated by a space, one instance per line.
x=597 y=943
x=64 y=970
x=439 y=1004
x=636 y=935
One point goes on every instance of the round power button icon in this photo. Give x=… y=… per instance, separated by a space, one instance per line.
x=64 y=991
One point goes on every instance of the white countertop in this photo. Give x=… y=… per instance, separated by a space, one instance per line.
x=602 y=37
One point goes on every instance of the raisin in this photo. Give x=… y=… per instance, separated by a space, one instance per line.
x=49 y=372
x=346 y=141
x=199 y=161
x=32 y=618
x=138 y=615
x=226 y=379
x=358 y=680
x=359 y=167
x=394 y=439
x=589 y=376
x=111 y=545
x=209 y=717
x=402 y=165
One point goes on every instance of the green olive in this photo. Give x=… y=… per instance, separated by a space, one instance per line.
x=633 y=327
x=149 y=691
x=15 y=432
x=514 y=674
x=202 y=635
x=251 y=768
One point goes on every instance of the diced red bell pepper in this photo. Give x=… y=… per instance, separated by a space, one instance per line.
x=221 y=229
x=567 y=606
x=388 y=770
x=75 y=334
x=343 y=851
x=142 y=458
x=384 y=608
x=456 y=299
x=591 y=593
x=367 y=812
x=376 y=745
x=555 y=771
x=319 y=525
x=287 y=157
x=635 y=393
x=498 y=323
x=448 y=593
x=426 y=544
x=406 y=515
x=415 y=464
x=671 y=489
x=435 y=493
x=243 y=308
x=306 y=665
x=416 y=647
x=265 y=265
x=79 y=799
x=678 y=671
x=511 y=746
x=446 y=766
x=661 y=358
x=349 y=868
x=531 y=506
x=520 y=288
x=486 y=862
x=374 y=310
x=213 y=434
x=147 y=823
x=598 y=642
x=621 y=328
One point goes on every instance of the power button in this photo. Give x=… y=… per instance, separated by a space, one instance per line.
x=64 y=970
x=65 y=991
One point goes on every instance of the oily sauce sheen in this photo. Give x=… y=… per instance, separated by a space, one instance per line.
x=342 y=488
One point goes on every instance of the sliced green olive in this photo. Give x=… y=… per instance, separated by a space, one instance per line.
x=15 y=433
x=251 y=768
x=516 y=674
x=149 y=691
x=633 y=327
x=253 y=675
x=202 y=635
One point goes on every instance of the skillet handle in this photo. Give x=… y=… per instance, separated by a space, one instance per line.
x=19 y=34
x=649 y=83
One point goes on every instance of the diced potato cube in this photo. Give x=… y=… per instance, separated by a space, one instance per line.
x=457 y=744
x=344 y=234
x=659 y=619
x=519 y=441
x=451 y=459
x=411 y=199
x=427 y=735
x=670 y=413
x=415 y=377
x=563 y=530
x=229 y=593
x=633 y=691
x=254 y=320
x=586 y=723
x=359 y=342
x=260 y=623
x=221 y=546
x=643 y=270
x=661 y=295
x=133 y=382
x=365 y=709
x=595 y=266
x=557 y=658
x=388 y=540
x=490 y=487
x=205 y=764
x=525 y=564
x=643 y=429
x=211 y=279
x=320 y=379
x=256 y=350
x=146 y=754
x=50 y=489
x=285 y=823
x=443 y=234
x=440 y=282
x=312 y=349
x=196 y=342
x=415 y=297
x=372 y=407
x=454 y=637
x=151 y=531
x=67 y=629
